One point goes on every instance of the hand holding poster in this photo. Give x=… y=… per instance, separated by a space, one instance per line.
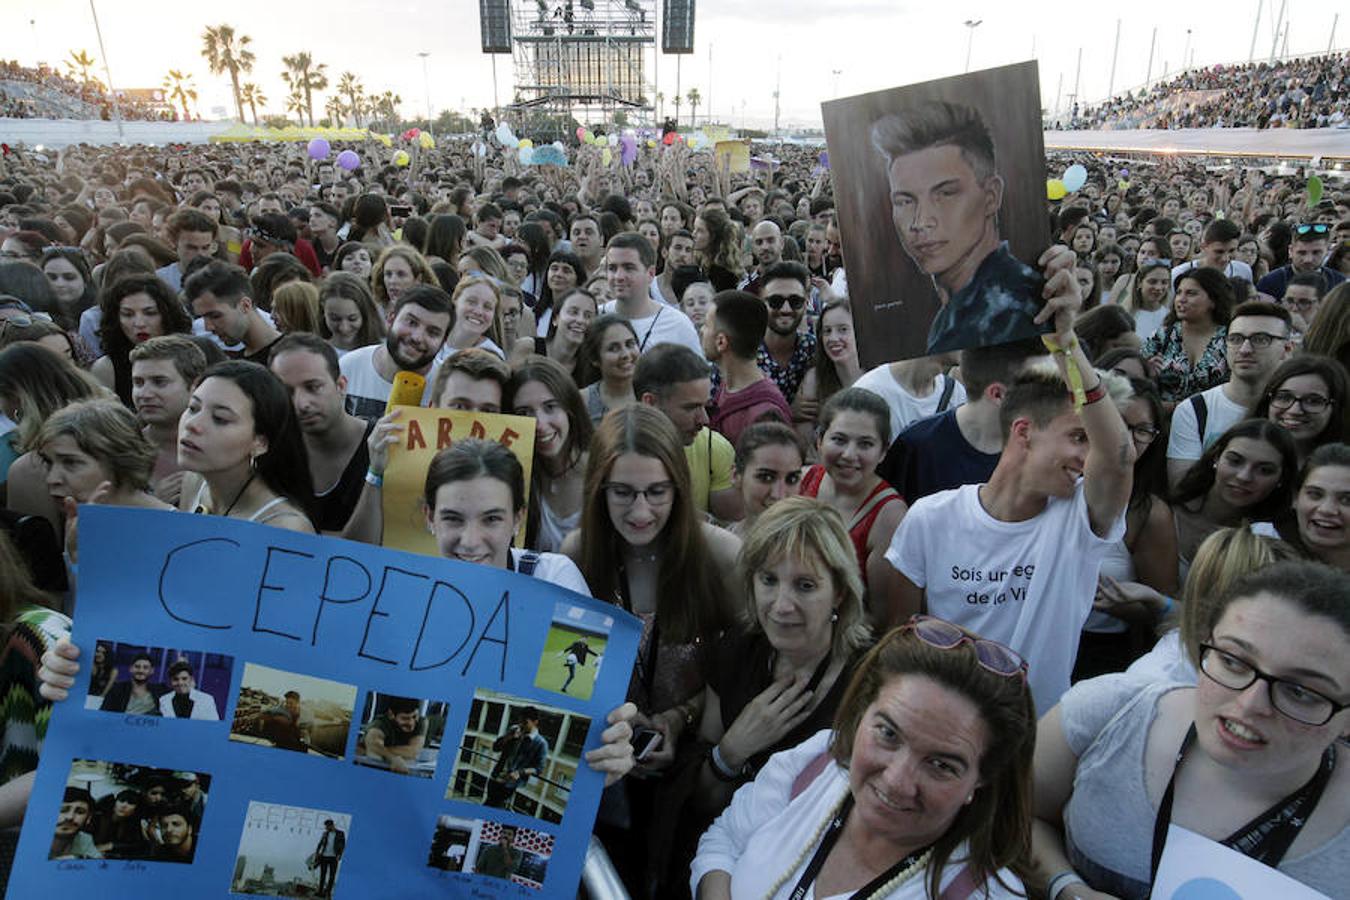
x=940 y=191
x=299 y=716
x=426 y=431
x=1195 y=868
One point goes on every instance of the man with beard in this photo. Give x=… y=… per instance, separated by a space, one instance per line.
x=335 y=440
x=397 y=735
x=420 y=321
x=786 y=353
x=766 y=242
x=184 y=701
x=177 y=842
x=499 y=860
x=137 y=697
x=71 y=841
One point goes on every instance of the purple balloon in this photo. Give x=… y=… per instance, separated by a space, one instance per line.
x=319 y=149
x=348 y=160
x=824 y=159
x=628 y=152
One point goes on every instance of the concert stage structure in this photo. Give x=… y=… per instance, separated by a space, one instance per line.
x=582 y=59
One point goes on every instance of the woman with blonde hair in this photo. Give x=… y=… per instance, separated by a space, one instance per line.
x=477 y=303
x=295 y=307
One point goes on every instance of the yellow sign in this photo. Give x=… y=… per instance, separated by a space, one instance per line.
x=426 y=432
x=737 y=151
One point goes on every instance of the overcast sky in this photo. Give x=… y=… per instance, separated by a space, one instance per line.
x=873 y=44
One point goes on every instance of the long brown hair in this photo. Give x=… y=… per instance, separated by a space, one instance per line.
x=997 y=822
x=691 y=597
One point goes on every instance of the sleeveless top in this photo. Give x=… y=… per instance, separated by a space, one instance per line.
x=260 y=515
x=1119 y=564
x=859 y=527
x=553 y=528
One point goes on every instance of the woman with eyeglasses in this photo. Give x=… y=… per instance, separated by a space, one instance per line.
x=1141 y=566
x=1307 y=395
x=1247 y=757
x=1246 y=475
x=1187 y=353
x=921 y=788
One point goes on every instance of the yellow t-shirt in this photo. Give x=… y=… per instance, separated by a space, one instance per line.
x=710 y=459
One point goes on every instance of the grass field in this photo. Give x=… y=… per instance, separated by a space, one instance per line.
x=552 y=670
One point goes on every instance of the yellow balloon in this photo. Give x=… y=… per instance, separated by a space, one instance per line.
x=401 y=158
x=1123 y=185
x=651 y=144
x=426 y=141
x=606 y=156
x=1054 y=189
x=691 y=140
x=588 y=137
x=526 y=142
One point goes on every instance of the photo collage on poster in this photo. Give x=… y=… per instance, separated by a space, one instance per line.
x=514 y=754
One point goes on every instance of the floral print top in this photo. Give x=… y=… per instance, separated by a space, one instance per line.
x=1177 y=378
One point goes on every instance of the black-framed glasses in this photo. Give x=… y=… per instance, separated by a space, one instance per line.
x=1260 y=339
x=1302 y=704
x=939 y=633
x=1145 y=433
x=659 y=494
x=1309 y=403
x=1312 y=228
x=776 y=301
x=1300 y=304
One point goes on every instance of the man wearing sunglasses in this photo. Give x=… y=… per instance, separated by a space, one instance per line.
x=1016 y=559
x=1307 y=254
x=787 y=352
x=1258 y=341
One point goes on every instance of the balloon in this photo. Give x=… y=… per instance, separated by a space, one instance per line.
x=401 y=158
x=505 y=135
x=669 y=138
x=526 y=143
x=526 y=155
x=559 y=145
x=581 y=133
x=426 y=141
x=1054 y=189
x=1314 y=190
x=651 y=144
x=1315 y=162
x=613 y=140
x=606 y=156
x=348 y=160
x=1123 y=184
x=824 y=159
x=628 y=152
x=1075 y=176
x=319 y=149
x=587 y=137
x=547 y=155
x=479 y=149
x=412 y=133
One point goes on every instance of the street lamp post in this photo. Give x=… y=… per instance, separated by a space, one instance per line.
x=426 y=87
x=971 y=25
x=836 y=73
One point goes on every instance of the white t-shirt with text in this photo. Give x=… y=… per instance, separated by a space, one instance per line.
x=367 y=391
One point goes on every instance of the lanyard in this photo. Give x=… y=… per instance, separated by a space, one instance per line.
x=648 y=336
x=1265 y=838
x=827 y=842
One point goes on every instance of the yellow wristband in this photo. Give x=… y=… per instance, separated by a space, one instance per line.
x=1071 y=373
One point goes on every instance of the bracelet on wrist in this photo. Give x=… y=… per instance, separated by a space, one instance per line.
x=1097 y=393
x=374 y=479
x=719 y=766
x=1061 y=881
x=1167 y=607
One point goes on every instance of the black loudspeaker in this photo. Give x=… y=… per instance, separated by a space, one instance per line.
x=495 y=18
x=677 y=26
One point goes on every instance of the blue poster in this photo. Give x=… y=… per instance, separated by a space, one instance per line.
x=266 y=713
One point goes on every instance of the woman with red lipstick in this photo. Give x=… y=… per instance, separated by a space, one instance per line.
x=542 y=390
x=854 y=431
x=1308 y=395
x=1247 y=475
x=240 y=437
x=1247 y=757
x=135 y=309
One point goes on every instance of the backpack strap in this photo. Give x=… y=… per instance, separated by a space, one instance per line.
x=948 y=388
x=877 y=499
x=1201 y=416
x=806 y=776
x=528 y=562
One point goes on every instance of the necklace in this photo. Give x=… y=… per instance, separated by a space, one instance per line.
x=247 y=482
x=823 y=840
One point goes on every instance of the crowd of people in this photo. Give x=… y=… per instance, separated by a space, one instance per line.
x=946 y=624
x=1310 y=92
x=80 y=99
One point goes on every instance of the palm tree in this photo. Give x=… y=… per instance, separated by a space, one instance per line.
x=694 y=98
x=660 y=103
x=677 y=110
x=80 y=61
x=304 y=75
x=225 y=52
x=349 y=86
x=254 y=97
x=295 y=103
x=181 y=89
x=335 y=109
x=386 y=105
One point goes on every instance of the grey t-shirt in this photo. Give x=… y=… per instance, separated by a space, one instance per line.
x=1108 y=821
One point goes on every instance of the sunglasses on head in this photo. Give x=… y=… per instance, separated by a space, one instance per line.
x=1313 y=228
x=776 y=301
x=991 y=655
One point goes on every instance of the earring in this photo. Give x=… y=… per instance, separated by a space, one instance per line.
x=834 y=617
x=970 y=799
